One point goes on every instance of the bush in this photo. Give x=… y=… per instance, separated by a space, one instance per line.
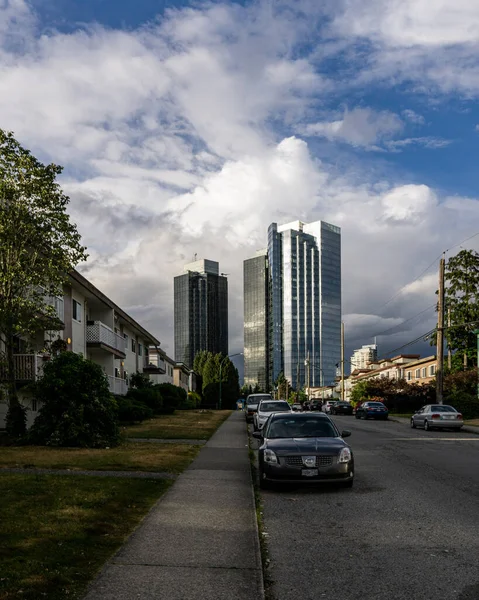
x=193 y=400
x=130 y=411
x=148 y=396
x=465 y=403
x=173 y=396
x=78 y=409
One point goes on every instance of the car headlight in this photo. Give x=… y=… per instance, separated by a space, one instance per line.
x=270 y=457
x=344 y=455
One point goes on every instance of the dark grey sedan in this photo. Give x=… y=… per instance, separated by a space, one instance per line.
x=304 y=448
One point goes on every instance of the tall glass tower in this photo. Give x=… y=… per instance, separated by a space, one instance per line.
x=257 y=322
x=201 y=311
x=305 y=307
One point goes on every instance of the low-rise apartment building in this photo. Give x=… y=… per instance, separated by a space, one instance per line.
x=93 y=326
x=421 y=371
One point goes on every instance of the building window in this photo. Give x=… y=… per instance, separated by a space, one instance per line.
x=140 y=350
x=76 y=312
x=423 y=372
x=417 y=374
x=34 y=404
x=409 y=375
x=133 y=345
x=126 y=339
x=432 y=370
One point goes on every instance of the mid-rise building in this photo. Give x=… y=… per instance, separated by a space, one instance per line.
x=200 y=311
x=257 y=321
x=364 y=356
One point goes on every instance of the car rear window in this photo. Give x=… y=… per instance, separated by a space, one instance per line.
x=443 y=408
x=375 y=404
x=300 y=428
x=273 y=406
x=256 y=399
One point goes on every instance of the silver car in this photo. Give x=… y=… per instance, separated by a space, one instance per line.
x=266 y=408
x=437 y=416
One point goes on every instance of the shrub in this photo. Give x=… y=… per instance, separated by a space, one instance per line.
x=465 y=403
x=173 y=396
x=78 y=409
x=193 y=400
x=130 y=411
x=148 y=396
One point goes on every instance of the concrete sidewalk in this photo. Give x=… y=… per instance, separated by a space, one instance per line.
x=200 y=541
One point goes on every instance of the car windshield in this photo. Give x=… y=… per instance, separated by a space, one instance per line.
x=273 y=406
x=300 y=428
x=256 y=399
x=443 y=408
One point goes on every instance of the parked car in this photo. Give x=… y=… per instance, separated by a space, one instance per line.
x=372 y=410
x=252 y=402
x=327 y=405
x=304 y=447
x=297 y=407
x=341 y=408
x=316 y=405
x=437 y=416
x=265 y=408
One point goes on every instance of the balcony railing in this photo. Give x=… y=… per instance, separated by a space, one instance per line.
x=117 y=386
x=99 y=333
x=28 y=367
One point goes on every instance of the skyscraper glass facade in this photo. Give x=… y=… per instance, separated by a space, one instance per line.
x=201 y=314
x=256 y=322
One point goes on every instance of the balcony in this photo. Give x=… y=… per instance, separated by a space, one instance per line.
x=99 y=335
x=28 y=367
x=117 y=386
x=154 y=365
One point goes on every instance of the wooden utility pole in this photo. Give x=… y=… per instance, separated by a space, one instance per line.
x=440 y=335
x=449 y=353
x=342 y=360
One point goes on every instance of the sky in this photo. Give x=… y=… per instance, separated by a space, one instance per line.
x=188 y=127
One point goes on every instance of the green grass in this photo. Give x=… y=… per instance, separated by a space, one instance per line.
x=130 y=456
x=183 y=424
x=58 y=531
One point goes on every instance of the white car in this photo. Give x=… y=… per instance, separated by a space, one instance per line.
x=267 y=408
x=327 y=406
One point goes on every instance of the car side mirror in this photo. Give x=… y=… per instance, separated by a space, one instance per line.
x=345 y=433
x=258 y=435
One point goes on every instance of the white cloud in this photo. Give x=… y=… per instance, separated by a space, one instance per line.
x=167 y=138
x=413 y=117
x=358 y=127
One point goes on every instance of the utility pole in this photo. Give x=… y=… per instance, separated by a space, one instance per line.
x=342 y=360
x=449 y=353
x=440 y=336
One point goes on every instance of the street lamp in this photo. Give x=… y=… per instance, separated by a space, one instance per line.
x=221 y=366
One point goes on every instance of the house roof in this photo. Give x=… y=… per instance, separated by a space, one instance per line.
x=83 y=281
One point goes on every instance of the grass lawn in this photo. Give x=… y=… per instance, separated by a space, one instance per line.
x=130 y=456
x=186 y=424
x=57 y=531
x=472 y=422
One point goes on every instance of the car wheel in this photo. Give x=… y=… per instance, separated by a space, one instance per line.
x=357 y=416
x=413 y=425
x=348 y=484
x=427 y=427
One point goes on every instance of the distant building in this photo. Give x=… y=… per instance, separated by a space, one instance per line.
x=305 y=271
x=257 y=322
x=364 y=356
x=200 y=311
x=292 y=299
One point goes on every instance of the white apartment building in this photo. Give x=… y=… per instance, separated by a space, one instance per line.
x=364 y=356
x=96 y=328
x=164 y=364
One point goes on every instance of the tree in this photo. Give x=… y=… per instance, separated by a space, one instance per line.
x=230 y=388
x=77 y=407
x=283 y=386
x=462 y=302
x=39 y=246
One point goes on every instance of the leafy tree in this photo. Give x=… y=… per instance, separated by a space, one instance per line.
x=140 y=381
x=77 y=407
x=230 y=384
x=246 y=390
x=39 y=246
x=283 y=386
x=173 y=396
x=199 y=361
x=462 y=302
x=210 y=380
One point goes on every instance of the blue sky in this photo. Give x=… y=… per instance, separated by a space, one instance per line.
x=188 y=127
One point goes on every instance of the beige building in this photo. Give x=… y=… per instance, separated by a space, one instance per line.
x=96 y=328
x=181 y=376
x=421 y=371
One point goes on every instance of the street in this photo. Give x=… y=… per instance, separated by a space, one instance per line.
x=409 y=529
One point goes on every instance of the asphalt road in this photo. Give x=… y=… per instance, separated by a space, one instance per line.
x=409 y=529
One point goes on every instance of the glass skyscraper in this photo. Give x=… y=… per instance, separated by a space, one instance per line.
x=303 y=306
x=200 y=311
x=256 y=322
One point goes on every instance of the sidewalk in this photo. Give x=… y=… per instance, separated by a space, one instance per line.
x=200 y=541
x=468 y=428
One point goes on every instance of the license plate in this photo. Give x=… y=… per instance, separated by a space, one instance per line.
x=448 y=417
x=309 y=472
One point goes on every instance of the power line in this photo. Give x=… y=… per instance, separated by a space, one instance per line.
x=403 y=322
x=418 y=339
x=463 y=242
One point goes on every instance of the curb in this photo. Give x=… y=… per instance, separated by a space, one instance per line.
x=404 y=421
